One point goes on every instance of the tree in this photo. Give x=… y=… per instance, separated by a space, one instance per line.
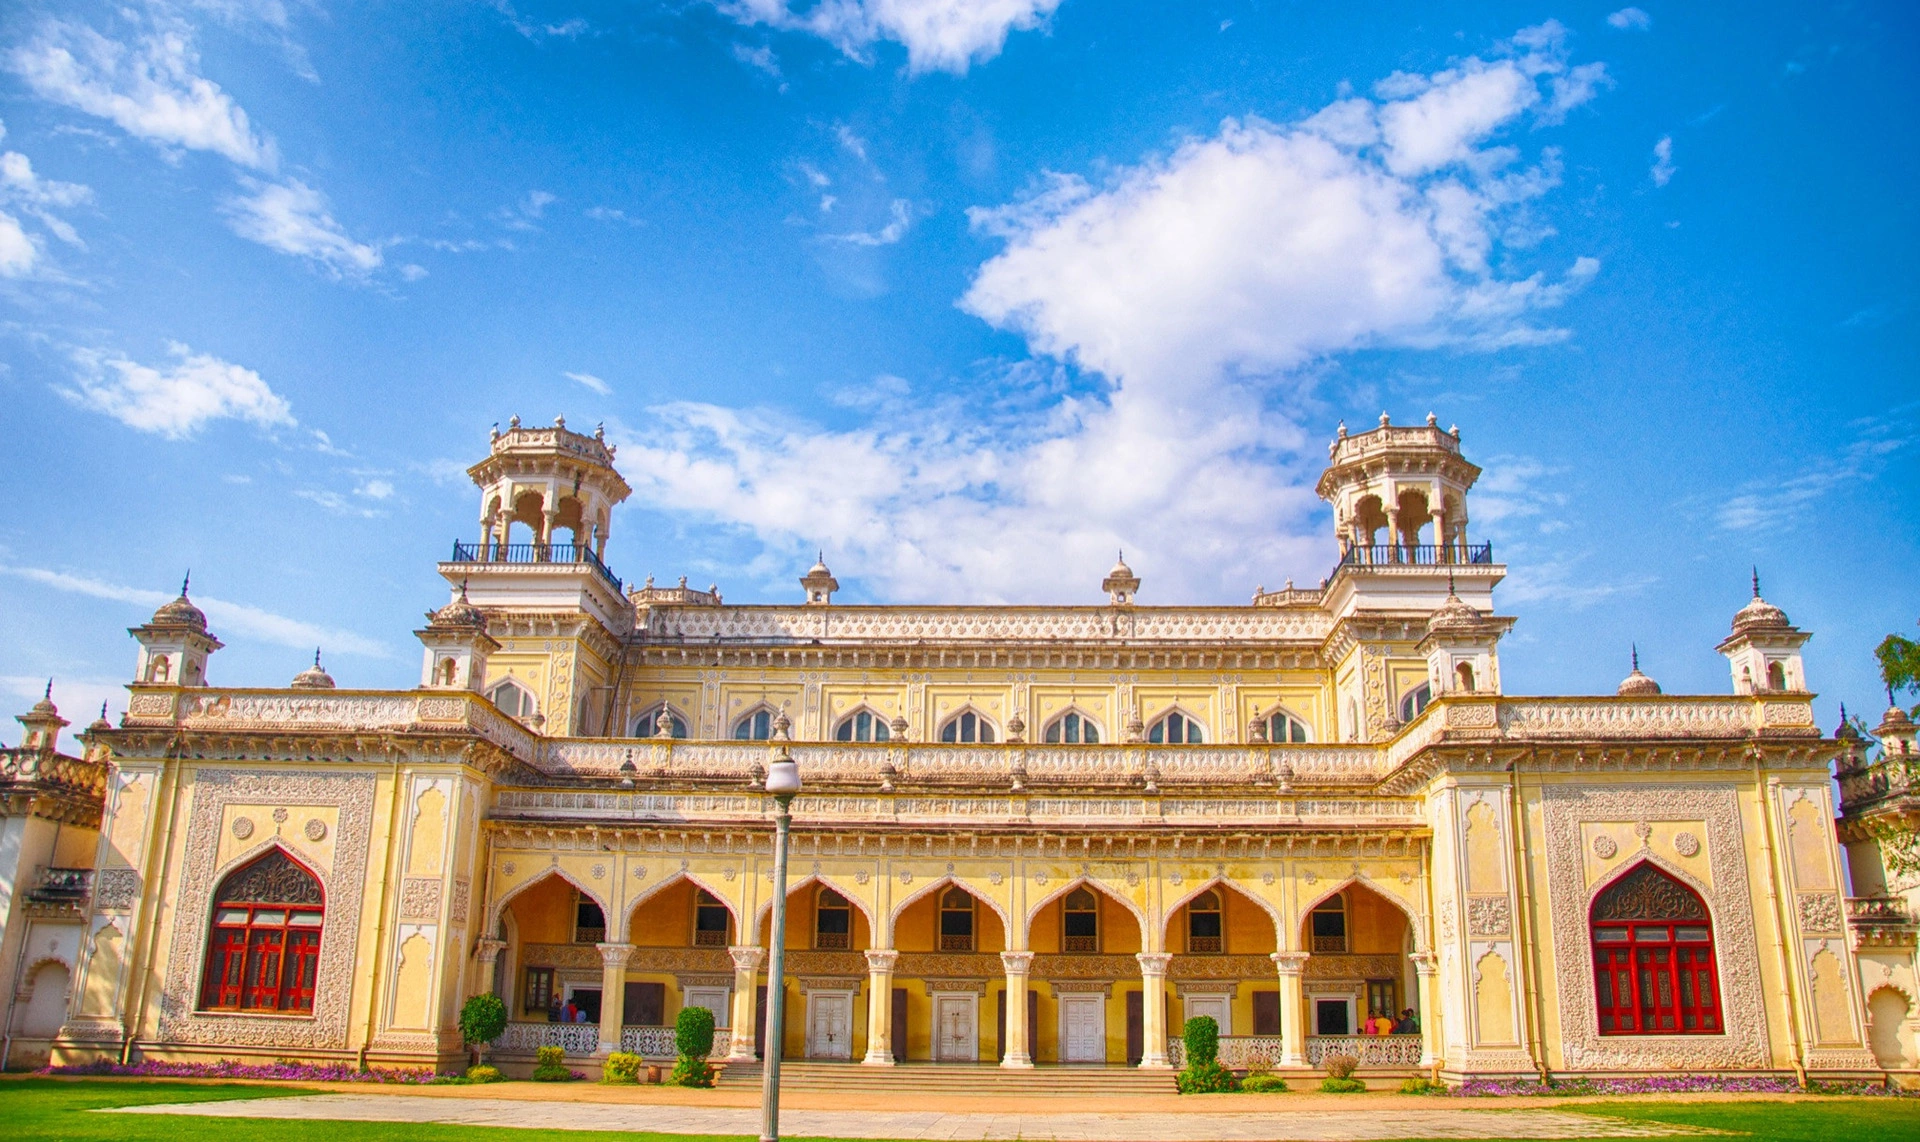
x=1899 y=665
x=483 y=1018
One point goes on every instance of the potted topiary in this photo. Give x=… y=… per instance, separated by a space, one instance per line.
x=693 y=1039
x=483 y=1018
x=1204 y=1074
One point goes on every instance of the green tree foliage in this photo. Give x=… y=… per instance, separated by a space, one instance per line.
x=1204 y=1074
x=1899 y=664
x=483 y=1019
x=693 y=1039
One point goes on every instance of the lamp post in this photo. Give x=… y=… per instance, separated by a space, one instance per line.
x=783 y=782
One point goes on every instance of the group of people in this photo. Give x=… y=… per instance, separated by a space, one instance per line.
x=570 y=1012
x=1382 y=1023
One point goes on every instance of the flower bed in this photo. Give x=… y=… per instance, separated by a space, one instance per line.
x=283 y=1071
x=1662 y=1084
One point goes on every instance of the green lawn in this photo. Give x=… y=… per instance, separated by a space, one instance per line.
x=1832 y=1120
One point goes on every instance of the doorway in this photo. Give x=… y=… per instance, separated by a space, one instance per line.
x=1333 y=1017
x=1083 y=1028
x=956 y=1022
x=830 y=1025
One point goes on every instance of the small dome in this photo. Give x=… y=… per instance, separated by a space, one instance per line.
x=180 y=612
x=819 y=566
x=313 y=678
x=1895 y=718
x=101 y=722
x=1453 y=614
x=1120 y=569
x=458 y=613
x=1760 y=615
x=45 y=706
x=1638 y=685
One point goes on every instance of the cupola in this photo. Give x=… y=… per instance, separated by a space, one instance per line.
x=175 y=644
x=313 y=677
x=1121 y=584
x=1763 y=650
x=42 y=724
x=457 y=646
x=819 y=583
x=1636 y=684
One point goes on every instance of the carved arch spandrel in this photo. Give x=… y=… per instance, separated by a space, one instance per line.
x=854 y=895
x=902 y=902
x=1416 y=918
x=1096 y=885
x=1744 y=1043
x=719 y=891
x=538 y=875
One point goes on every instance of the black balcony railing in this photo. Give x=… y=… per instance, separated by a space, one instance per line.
x=62 y=886
x=533 y=553
x=1413 y=554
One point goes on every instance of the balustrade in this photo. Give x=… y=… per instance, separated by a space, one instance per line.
x=660 y=1042
x=573 y=1038
x=1371 y=1050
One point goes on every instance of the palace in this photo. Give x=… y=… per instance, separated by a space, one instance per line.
x=1030 y=835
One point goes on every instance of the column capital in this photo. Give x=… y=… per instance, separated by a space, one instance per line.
x=881 y=959
x=1289 y=963
x=615 y=955
x=1425 y=963
x=746 y=957
x=1017 y=963
x=1153 y=963
x=488 y=950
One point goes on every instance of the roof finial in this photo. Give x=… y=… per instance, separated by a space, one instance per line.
x=1636 y=655
x=1756 y=580
x=49 y=694
x=1450 y=593
x=316 y=656
x=463 y=588
x=188 y=578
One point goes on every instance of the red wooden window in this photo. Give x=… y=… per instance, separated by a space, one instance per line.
x=1653 y=962
x=263 y=953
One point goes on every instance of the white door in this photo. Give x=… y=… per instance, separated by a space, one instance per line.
x=714 y=999
x=956 y=1040
x=1217 y=1006
x=1083 y=1020
x=829 y=1026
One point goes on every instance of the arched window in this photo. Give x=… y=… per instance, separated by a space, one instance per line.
x=1176 y=729
x=712 y=922
x=967 y=727
x=1415 y=700
x=755 y=727
x=1073 y=728
x=1080 y=922
x=1776 y=676
x=1463 y=674
x=647 y=725
x=832 y=921
x=1653 y=968
x=158 y=668
x=447 y=670
x=513 y=699
x=863 y=726
x=956 y=920
x=1328 y=922
x=1204 y=930
x=263 y=953
x=1284 y=727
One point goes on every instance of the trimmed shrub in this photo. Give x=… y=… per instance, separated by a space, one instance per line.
x=550 y=1065
x=1207 y=1078
x=693 y=1032
x=1204 y=1074
x=1264 y=1084
x=689 y=1071
x=483 y=1074
x=1342 y=1086
x=621 y=1067
x=483 y=1018
x=1420 y=1085
x=1340 y=1066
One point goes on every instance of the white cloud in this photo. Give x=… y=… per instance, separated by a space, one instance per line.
x=1777 y=502
x=1630 y=20
x=375 y=490
x=592 y=382
x=294 y=218
x=25 y=190
x=1195 y=289
x=225 y=617
x=337 y=503
x=1663 y=168
x=151 y=89
x=18 y=252
x=761 y=57
x=177 y=398
x=893 y=231
x=939 y=35
x=413 y=271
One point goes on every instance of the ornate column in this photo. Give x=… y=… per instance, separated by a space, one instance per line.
x=746 y=986
x=487 y=951
x=880 y=963
x=1439 y=517
x=1018 y=1053
x=1428 y=966
x=1153 y=1009
x=1293 y=1007
x=1395 y=537
x=613 y=993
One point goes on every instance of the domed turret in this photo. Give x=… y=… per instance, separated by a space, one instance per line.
x=457 y=646
x=175 y=644
x=458 y=614
x=43 y=724
x=1454 y=614
x=180 y=612
x=313 y=678
x=1121 y=584
x=819 y=583
x=1763 y=651
x=1636 y=684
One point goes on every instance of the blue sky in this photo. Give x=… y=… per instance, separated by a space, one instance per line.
x=968 y=295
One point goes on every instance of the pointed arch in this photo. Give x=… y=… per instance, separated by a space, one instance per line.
x=1217 y=882
x=499 y=905
x=1649 y=857
x=1293 y=729
x=1073 y=726
x=513 y=698
x=1415 y=920
x=761 y=913
x=901 y=904
x=983 y=729
x=755 y=723
x=863 y=723
x=647 y=725
x=1100 y=887
x=263 y=935
x=1189 y=729
x=1654 y=962
x=668 y=881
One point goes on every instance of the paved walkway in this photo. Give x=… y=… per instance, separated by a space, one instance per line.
x=1278 y=1125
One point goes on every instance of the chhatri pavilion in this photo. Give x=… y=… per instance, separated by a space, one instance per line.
x=1028 y=835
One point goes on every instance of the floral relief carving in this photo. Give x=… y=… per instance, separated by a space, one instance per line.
x=457 y=904
x=1489 y=916
x=116 y=890
x=1729 y=903
x=419 y=898
x=316 y=830
x=352 y=796
x=1604 y=848
x=1819 y=912
x=242 y=828
x=1645 y=894
x=1686 y=844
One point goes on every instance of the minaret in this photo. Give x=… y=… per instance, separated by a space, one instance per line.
x=819 y=583
x=42 y=724
x=1121 y=584
x=174 y=644
x=1763 y=652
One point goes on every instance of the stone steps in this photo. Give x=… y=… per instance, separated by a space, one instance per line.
x=957 y=1078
